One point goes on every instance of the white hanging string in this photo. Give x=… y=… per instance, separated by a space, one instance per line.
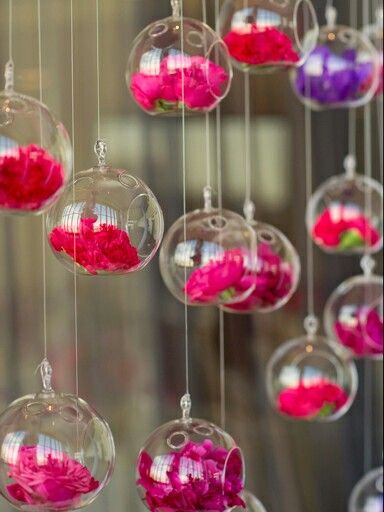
x=10 y=31
x=352 y=111
x=248 y=205
x=207 y=116
x=98 y=66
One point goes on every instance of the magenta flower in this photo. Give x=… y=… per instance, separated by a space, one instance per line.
x=55 y=479
x=308 y=400
x=192 y=479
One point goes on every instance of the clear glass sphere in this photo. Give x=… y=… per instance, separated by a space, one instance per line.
x=190 y=462
x=367 y=495
x=206 y=264
x=341 y=72
x=311 y=379
x=353 y=315
x=276 y=276
x=177 y=65
x=35 y=155
x=263 y=36
x=56 y=453
x=108 y=222
x=344 y=215
x=252 y=504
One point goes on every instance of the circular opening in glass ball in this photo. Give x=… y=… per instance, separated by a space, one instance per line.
x=268 y=36
x=49 y=463
x=35 y=156
x=203 y=461
x=252 y=504
x=107 y=222
x=344 y=215
x=212 y=261
x=341 y=72
x=367 y=495
x=168 y=76
x=276 y=274
x=311 y=379
x=353 y=316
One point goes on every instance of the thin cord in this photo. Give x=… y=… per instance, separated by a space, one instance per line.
x=352 y=111
x=98 y=66
x=207 y=116
x=222 y=371
x=309 y=186
x=10 y=32
x=379 y=105
x=219 y=159
x=247 y=138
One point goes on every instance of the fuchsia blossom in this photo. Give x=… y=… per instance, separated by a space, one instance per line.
x=29 y=178
x=361 y=332
x=308 y=400
x=96 y=248
x=201 y=78
x=192 y=479
x=57 y=479
x=342 y=227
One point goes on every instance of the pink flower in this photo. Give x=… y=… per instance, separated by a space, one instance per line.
x=97 y=248
x=344 y=227
x=54 y=479
x=361 y=332
x=29 y=178
x=191 y=479
x=209 y=282
x=261 y=46
x=312 y=399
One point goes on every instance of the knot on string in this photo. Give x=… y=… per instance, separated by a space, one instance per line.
x=176 y=11
x=367 y=264
x=46 y=375
x=100 y=149
x=311 y=325
x=249 y=210
x=350 y=165
x=331 y=16
x=9 y=75
x=207 y=193
x=186 y=405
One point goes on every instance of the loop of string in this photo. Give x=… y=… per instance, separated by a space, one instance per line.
x=98 y=66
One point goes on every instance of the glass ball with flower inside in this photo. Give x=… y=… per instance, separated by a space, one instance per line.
x=311 y=379
x=190 y=464
x=205 y=255
x=56 y=452
x=276 y=275
x=178 y=64
x=252 y=504
x=341 y=72
x=35 y=153
x=353 y=315
x=263 y=36
x=367 y=495
x=107 y=222
x=344 y=215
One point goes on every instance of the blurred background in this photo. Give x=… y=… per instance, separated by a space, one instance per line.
x=131 y=328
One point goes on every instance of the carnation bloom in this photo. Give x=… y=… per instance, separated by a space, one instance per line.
x=192 y=479
x=344 y=227
x=361 y=332
x=261 y=46
x=216 y=279
x=29 y=178
x=97 y=248
x=57 y=479
x=307 y=400
x=201 y=79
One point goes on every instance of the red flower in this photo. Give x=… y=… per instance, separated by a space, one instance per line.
x=51 y=478
x=97 y=248
x=313 y=399
x=29 y=178
x=261 y=46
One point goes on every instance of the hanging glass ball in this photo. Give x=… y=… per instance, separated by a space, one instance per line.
x=252 y=504
x=206 y=257
x=190 y=462
x=177 y=65
x=276 y=276
x=56 y=453
x=311 y=379
x=344 y=215
x=353 y=315
x=367 y=495
x=341 y=72
x=263 y=36
x=35 y=155
x=107 y=222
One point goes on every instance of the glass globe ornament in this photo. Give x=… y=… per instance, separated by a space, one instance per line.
x=353 y=315
x=56 y=452
x=190 y=461
x=341 y=72
x=106 y=222
x=178 y=65
x=367 y=495
x=35 y=153
x=208 y=256
x=311 y=378
x=276 y=275
x=264 y=36
x=252 y=504
x=344 y=215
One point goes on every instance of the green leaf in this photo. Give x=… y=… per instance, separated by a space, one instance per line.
x=166 y=106
x=351 y=239
x=227 y=294
x=326 y=410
